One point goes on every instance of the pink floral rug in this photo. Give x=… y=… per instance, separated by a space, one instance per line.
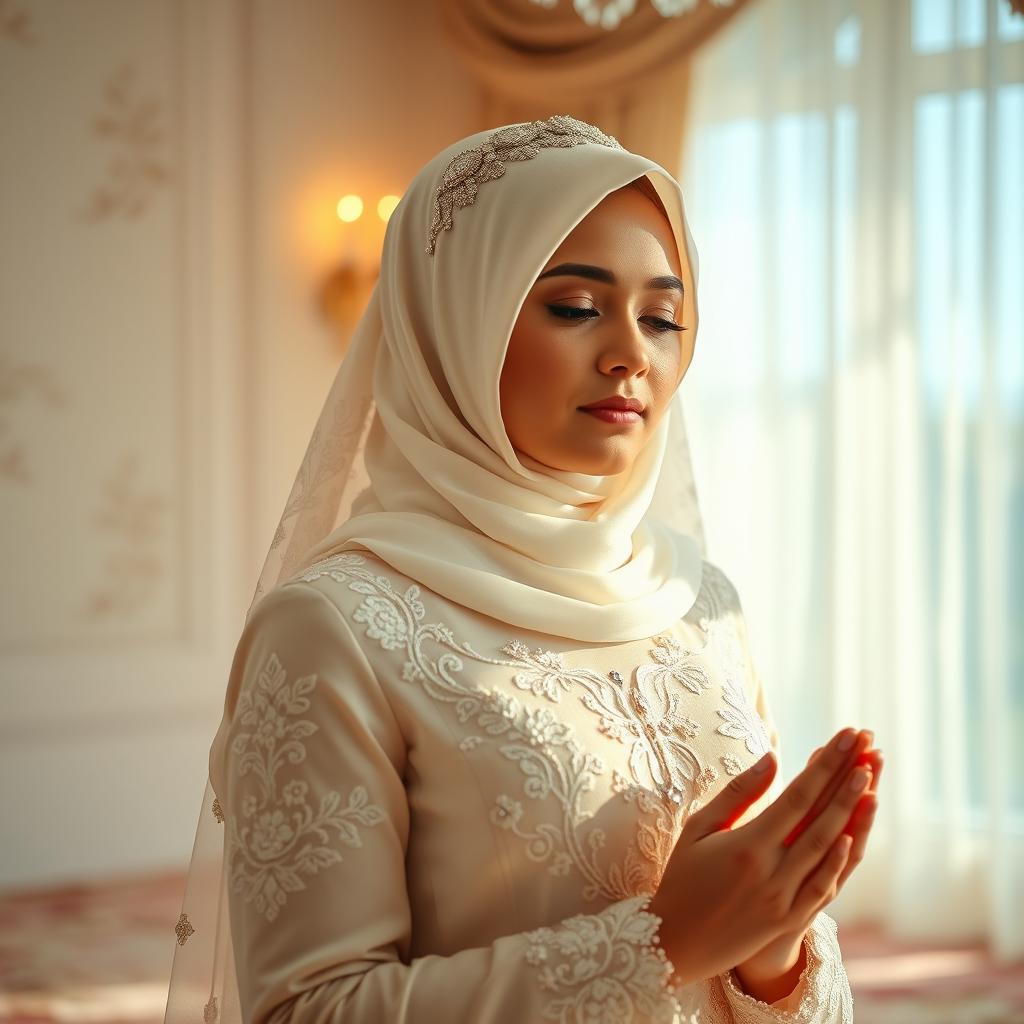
x=102 y=953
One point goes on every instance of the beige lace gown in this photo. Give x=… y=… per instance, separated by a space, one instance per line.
x=434 y=817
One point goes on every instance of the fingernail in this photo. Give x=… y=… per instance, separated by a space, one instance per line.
x=870 y=733
x=859 y=779
x=847 y=740
x=762 y=765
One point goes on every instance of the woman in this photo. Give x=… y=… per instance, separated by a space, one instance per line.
x=492 y=714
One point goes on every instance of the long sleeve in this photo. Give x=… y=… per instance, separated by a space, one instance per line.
x=822 y=994
x=318 y=824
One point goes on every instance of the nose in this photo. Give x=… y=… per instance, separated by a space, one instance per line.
x=625 y=352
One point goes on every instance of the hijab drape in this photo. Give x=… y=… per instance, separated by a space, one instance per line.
x=449 y=502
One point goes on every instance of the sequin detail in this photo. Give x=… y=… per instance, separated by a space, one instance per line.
x=183 y=929
x=468 y=170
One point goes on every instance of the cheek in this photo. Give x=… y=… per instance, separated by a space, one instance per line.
x=666 y=367
x=539 y=365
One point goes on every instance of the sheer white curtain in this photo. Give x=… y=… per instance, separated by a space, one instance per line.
x=855 y=180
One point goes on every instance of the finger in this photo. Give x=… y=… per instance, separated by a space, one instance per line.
x=820 y=887
x=807 y=851
x=856 y=756
x=862 y=819
x=810 y=792
x=874 y=759
x=872 y=756
x=727 y=806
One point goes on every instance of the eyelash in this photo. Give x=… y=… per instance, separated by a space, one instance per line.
x=586 y=313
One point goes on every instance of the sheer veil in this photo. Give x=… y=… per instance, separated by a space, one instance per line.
x=409 y=459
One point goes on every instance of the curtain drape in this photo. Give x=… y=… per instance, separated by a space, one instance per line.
x=532 y=61
x=853 y=172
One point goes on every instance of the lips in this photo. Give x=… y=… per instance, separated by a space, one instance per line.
x=616 y=410
x=617 y=402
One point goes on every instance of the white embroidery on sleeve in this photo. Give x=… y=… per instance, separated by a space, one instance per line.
x=280 y=837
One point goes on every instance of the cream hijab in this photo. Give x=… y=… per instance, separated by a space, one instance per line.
x=409 y=458
x=445 y=498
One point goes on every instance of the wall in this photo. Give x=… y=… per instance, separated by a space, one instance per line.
x=167 y=181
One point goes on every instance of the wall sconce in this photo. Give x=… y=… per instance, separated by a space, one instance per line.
x=346 y=289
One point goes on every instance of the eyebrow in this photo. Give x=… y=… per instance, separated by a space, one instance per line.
x=664 y=283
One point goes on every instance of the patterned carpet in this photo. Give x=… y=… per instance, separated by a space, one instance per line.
x=102 y=953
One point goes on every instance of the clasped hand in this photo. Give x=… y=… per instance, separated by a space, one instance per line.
x=745 y=897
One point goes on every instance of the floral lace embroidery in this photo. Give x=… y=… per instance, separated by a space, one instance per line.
x=646 y=716
x=468 y=170
x=604 y=967
x=740 y=718
x=554 y=764
x=282 y=838
x=544 y=673
x=552 y=761
x=716 y=604
x=742 y=722
x=826 y=994
x=674 y=664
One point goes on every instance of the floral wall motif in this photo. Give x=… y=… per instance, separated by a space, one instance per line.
x=134 y=519
x=15 y=23
x=24 y=382
x=131 y=123
x=94 y=324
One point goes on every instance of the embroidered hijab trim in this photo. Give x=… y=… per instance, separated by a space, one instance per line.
x=469 y=169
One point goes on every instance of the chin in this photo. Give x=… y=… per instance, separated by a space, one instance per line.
x=591 y=464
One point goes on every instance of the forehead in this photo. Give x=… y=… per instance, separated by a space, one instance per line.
x=625 y=227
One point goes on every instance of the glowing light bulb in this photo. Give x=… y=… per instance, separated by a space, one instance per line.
x=350 y=208
x=386 y=206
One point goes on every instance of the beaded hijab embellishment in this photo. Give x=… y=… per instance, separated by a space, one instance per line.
x=469 y=169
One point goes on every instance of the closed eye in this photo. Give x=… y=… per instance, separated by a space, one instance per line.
x=573 y=312
x=665 y=325
x=586 y=312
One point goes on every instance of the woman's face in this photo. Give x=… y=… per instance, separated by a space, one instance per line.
x=600 y=323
